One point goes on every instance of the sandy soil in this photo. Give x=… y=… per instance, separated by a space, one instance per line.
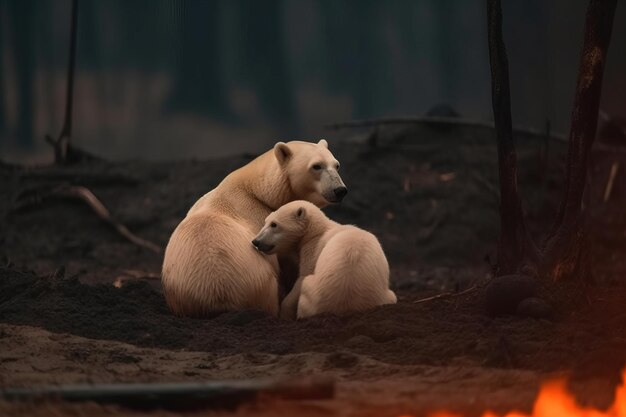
x=428 y=194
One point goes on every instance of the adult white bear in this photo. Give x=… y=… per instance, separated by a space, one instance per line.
x=342 y=268
x=209 y=264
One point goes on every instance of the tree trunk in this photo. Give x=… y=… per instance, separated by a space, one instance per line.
x=567 y=250
x=21 y=17
x=514 y=244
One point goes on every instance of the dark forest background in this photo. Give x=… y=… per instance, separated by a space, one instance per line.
x=163 y=79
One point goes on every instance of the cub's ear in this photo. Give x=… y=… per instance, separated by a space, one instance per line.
x=282 y=152
x=323 y=143
x=301 y=213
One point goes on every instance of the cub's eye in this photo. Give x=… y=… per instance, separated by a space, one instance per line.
x=273 y=224
x=317 y=167
x=337 y=167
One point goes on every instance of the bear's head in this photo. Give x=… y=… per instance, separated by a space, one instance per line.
x=285 y=227
x=311 y=170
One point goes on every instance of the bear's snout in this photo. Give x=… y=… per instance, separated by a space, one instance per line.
x=260 y=246
x=340 y=192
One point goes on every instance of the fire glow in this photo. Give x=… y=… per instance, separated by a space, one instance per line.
x=554 y=400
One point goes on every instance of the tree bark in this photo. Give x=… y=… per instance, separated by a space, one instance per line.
x=514 y=244
x=567 y=249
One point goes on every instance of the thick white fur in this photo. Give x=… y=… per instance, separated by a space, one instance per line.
x=210 y=264
x=342 y=268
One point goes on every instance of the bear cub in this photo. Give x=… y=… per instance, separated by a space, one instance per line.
x=342 y=268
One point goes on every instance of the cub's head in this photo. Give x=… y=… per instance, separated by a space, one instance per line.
x=284 y=227
x=312 y=171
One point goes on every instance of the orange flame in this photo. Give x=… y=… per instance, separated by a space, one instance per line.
x=553 y=400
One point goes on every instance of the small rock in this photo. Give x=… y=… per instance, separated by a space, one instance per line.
x=503 y=294
x=534 y=307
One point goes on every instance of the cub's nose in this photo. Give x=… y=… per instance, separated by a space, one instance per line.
x=340 y=192
x=256 y=243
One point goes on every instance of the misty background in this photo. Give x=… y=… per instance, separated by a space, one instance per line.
x=163 y=79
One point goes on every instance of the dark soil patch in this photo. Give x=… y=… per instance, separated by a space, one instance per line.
x=455 y=331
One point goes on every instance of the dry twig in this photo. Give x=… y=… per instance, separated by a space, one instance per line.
x=449 y=294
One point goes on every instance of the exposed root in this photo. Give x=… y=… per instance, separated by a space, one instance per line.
x=66 y=154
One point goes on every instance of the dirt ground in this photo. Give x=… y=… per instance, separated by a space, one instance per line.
x=430 y=194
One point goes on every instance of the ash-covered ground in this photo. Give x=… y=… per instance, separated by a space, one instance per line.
x=430 y=195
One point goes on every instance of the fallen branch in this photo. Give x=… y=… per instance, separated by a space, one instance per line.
x=180 y=396
x=437 y=120
x=85 y=195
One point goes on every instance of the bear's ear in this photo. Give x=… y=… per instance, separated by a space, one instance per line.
x=301 y=213
x=323 y=143
x=282 y=152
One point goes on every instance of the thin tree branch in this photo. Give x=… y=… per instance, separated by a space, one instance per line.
x=448 y=294
x=514 y=244
x=62 y=144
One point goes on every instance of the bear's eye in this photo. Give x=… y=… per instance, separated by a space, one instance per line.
x=337 y=167
x=273 y=224
x=317 y=167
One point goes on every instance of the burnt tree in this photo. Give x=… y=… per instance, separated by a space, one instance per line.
x=514 y=243
x=565 y=253
x=63 y=152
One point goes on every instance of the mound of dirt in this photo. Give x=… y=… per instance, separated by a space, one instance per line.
x=434 y=333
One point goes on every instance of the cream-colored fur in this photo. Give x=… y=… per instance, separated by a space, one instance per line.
x=342 y=268
x=210 y=264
